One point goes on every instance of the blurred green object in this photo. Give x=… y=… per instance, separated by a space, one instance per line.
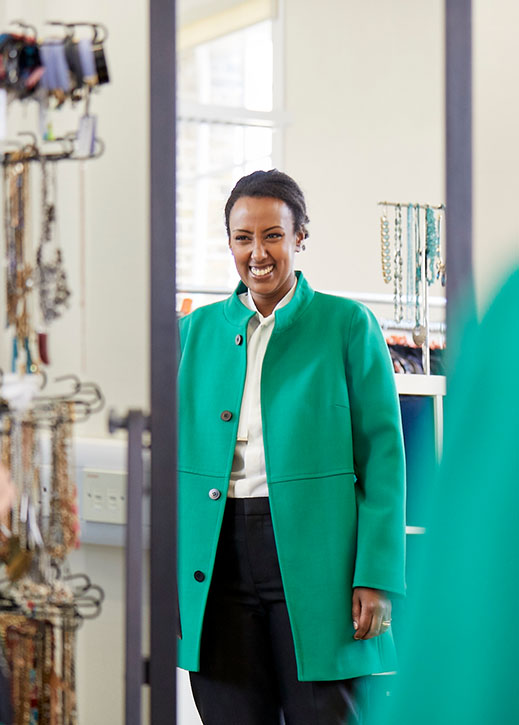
x=459 y=661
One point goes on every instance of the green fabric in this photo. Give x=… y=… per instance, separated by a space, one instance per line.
x=334 y=461
x=460 y=662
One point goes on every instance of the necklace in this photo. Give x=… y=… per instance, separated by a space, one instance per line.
x=419 y=332
x=399 y=266
x=51 y=276
x=410 y=262
x=385 y=247
x=432 y=245
x=19 y=274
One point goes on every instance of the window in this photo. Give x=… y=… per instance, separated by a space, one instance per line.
x=228 y=126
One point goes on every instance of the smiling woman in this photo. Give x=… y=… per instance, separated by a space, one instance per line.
x=263 y=241
x=265 y=218
x=291 y=484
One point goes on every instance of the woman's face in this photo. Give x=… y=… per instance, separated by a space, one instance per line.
x=263 y=242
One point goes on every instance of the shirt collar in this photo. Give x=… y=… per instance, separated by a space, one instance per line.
x=247 y=300
x=239 y=314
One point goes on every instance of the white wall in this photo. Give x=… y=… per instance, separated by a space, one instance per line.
x=496 y=146
x=364 y=88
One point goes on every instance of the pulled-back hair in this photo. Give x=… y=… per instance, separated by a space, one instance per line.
x=274 y=184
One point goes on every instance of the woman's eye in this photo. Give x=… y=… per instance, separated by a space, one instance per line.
x=274 y=235
x=241 y=238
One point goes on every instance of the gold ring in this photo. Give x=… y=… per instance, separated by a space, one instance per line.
x=386 y=623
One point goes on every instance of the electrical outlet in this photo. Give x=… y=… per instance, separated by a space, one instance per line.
x=104 y=496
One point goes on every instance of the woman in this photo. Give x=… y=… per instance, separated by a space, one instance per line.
x=291 y=483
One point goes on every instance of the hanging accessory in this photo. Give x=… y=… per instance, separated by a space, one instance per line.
x=54 y=292
x=57 y=77
x=74 y=63
x=64 y=523
x=441 y=273
x=410 y=262
x=86 y=59
x=19 y=273
x=399 y=267
x=385 y=242
x=99 y=53
x=57 y=68
x=432 y=246
x=419 y=332
x=20 y=68
x=43 y=348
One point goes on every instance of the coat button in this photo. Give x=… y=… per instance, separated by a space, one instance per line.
x=199 y=576
x=238 y=339
x=215 y=494
x=226 y=415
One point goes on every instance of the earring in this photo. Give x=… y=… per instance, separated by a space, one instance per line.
x=301 y=248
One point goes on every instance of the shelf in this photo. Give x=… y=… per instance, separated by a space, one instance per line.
x=420 y=384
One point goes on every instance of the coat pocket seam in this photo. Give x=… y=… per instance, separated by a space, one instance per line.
x=306 y=476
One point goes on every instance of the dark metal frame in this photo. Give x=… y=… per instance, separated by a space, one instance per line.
x=163 y=555
x=159 y=671
x=458 y=162
x=135 y=672
x=136 y=424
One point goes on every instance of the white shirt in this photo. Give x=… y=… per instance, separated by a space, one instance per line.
x=249 y=476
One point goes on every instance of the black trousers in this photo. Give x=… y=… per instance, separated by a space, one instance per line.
x=248 y=672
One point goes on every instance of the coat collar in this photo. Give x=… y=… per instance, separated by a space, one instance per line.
x=237 y=314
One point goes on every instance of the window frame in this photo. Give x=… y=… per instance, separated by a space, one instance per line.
x=276 y=119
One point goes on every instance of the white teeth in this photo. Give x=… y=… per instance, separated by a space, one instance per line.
x=261 y=271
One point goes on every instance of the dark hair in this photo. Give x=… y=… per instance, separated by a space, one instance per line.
x=273 y=184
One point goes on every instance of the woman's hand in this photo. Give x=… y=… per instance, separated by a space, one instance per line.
x=371 y=612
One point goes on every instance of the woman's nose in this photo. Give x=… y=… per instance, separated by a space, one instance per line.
x=258 y=250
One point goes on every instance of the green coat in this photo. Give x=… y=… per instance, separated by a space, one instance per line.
x=334 y=460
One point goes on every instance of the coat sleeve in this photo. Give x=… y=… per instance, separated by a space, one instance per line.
x=378 y=457
x=183 y=327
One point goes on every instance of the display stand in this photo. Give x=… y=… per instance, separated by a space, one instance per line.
x=434 y=386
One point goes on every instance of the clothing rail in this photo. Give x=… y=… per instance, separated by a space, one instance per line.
x=409 y=326
x=369 y=298
x=439 y=207
x=384 y=298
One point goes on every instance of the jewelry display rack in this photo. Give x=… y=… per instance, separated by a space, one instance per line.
x=48 y=72
x=42 y=606
x=420 y=331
